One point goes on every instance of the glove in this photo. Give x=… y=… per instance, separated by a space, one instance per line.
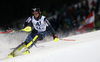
x=56 y=39
x=27 y=29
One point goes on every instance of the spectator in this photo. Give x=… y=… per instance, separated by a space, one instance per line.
x=87 y=3
x=97 y=6
x=97 y=22
x=93 y=3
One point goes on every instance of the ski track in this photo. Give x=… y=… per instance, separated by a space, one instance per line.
x=86 y=48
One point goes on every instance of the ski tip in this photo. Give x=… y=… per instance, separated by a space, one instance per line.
x=10 y=56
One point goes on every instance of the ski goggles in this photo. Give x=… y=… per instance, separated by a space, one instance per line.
x=36 y=12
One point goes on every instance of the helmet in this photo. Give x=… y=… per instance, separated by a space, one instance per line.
x=36 y=9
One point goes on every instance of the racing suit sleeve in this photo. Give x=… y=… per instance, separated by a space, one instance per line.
x=28 y=22
x=50 y=28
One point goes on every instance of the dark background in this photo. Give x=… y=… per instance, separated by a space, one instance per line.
x=13 y=10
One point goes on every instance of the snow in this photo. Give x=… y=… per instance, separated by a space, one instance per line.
x=86 y=48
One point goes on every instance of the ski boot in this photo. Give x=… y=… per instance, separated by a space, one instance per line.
x=26 y=52
x=11 y=55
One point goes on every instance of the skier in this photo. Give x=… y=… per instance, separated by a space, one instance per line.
x=41 y=26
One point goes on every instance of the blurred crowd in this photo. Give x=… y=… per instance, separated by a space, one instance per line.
x=68 y=18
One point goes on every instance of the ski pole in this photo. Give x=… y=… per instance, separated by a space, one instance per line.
x=9 y=31
x=32 y=40
x=68 y=39
x=28 y=29
x=6 y=32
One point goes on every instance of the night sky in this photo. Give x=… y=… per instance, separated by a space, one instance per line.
x=12 y=10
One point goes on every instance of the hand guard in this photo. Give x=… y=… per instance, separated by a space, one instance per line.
x=56 y=39
x=27 y=29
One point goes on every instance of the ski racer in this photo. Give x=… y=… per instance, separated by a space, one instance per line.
x=40 y=27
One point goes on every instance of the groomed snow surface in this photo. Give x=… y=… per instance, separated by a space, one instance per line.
x=86 y=48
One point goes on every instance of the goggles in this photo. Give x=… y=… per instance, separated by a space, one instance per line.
x=35 y=12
